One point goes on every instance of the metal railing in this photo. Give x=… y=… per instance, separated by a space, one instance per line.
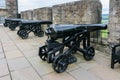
x=99 y=37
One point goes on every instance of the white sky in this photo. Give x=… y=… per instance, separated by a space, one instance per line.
x=33 y=4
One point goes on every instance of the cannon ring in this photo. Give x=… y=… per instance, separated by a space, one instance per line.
x=60 y=63
x=90 y=53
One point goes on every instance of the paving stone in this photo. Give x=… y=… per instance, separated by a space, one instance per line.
x=116 y=68
x=105 y=73
x=5 y=78
x=1 y=50
x=72 y=67
x=10 y=48
x=25 y=74
x=57 y=76
x=3 y=61
x=81 y=74
x=5 y=39
x=18 y=63
x=13 y=54
x=80 y=58
x=41 y=67
x=88 y=65
x=2 y=55
x=25 y=47
x=30 y=53
x=101 y=59
x=8 y=43
x=3 y=70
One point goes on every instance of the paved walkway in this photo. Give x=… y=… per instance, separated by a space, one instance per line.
x=19 y=60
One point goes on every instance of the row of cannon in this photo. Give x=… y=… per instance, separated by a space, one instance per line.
x=64 y=40
x=26 y=26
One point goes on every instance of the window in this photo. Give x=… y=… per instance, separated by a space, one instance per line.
x=3 y=4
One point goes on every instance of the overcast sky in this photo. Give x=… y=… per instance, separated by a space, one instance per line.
x=32 y=4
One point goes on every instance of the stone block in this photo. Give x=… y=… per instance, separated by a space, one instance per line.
x=27 y=14
x=44 y=13
x=3 y=70
x=13 y=54
x=41 y=67
x=2 y=55
x=56 y=76
x=83 y=75
x=78 y=12
x=5 y=78
x=18 y=63
x=25 y=74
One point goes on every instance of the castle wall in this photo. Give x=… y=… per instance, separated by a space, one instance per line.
x=114 y=22
x=78 y=12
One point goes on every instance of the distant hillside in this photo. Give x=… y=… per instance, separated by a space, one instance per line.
x=105 y=18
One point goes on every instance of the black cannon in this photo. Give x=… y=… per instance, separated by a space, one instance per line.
x=64 y=40
x=6 y=23
x=27 y=26
x=12 y=23
x=115 y=57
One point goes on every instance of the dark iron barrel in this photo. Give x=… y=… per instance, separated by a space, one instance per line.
x=35 y=22
x=60 y=31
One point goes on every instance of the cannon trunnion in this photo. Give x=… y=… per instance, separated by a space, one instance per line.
x=65 y=40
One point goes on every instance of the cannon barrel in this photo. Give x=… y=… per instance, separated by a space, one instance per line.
x=13 y=19
x=35 y=22
x=60 y=31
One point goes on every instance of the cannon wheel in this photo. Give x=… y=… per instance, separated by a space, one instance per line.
x=41 y=34
x=12 y=27
x=5 y=24
x=90 y=53
x=24 y=34
x=43 y=53
x=18 y=32
x=60 y=63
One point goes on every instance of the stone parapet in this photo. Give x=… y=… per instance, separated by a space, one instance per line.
x=114 y=22
x=12 y=8
x=27 y=14
x=78 y=12
x=44 y=13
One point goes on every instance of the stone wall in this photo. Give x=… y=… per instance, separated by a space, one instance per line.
x=9 y=10
x=79 y=12
x=114 y=22
x=3 y=12
x=27 y=14
x=42 y=14
x=12 y=8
